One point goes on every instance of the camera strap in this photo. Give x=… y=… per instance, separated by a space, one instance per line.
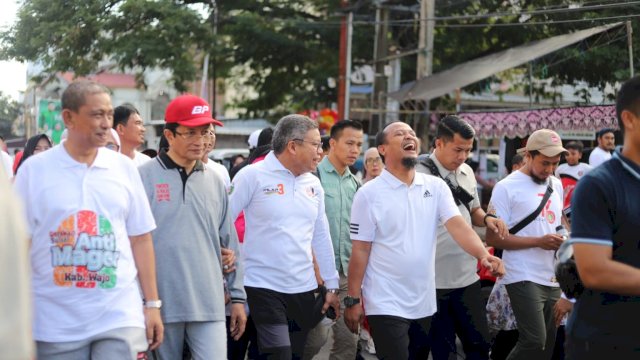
x=526 y=221
x=433 y=169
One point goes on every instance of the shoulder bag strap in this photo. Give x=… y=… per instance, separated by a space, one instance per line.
x=526 y=221
x=433 y=169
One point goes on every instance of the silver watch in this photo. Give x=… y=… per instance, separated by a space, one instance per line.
x=152 y=304
x=333 y=291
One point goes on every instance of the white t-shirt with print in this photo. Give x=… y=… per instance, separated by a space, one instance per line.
x=80 y=217
x=401 y=222
x=576 y=171
x=513 y=199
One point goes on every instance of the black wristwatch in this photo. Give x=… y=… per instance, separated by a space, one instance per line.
x=349 y=301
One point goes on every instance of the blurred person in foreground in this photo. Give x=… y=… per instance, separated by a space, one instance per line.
x=605 y=227
x=16 y=341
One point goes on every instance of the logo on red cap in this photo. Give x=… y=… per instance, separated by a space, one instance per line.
x=189 y=110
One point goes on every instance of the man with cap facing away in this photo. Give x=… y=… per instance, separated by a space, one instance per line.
x=190 y=204
x=529 y=253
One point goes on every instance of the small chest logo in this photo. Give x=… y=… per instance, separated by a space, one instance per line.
x=311 y=192
x=162 y=192
x=273 y=189
x=426 y=194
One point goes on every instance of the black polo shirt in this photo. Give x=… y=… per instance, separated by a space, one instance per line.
x=606 y=211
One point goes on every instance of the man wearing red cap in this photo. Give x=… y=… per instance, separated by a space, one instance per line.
x=190 y=204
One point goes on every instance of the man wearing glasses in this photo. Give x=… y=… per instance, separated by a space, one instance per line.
x=190 y=204
x=286 y=226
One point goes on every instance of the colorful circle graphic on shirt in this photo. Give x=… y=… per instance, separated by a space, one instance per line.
x=84 y=252
x=551 y=217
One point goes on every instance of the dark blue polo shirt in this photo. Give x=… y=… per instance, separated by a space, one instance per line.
x=606 y=211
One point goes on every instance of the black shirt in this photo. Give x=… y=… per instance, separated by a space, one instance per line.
x=606 y=211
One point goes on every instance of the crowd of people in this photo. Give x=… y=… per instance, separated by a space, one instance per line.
x=173 y=257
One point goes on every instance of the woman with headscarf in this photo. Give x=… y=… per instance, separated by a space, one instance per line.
x=35 y=144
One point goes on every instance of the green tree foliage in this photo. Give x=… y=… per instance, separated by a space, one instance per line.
x=279 y=48
x=285 y=50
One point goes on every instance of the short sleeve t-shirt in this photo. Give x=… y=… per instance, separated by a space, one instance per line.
x=607 y=213
x=513 y=199
x=598 y=156
x=569 y=176
x=401 y=222
x=80 y=218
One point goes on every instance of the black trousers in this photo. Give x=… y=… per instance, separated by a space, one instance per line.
x=283 y=320
x=237 y=349
x=393 y=335
x=460 y=311
x=577 y=349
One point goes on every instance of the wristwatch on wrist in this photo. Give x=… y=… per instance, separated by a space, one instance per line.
x=349 y=301
x=333 y=291
x=152 y=304
x=484 y=220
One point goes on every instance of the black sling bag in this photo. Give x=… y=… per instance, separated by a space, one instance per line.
x=526 y=221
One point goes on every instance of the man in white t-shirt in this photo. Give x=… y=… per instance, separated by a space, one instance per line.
x=529 y=253
x=606 y=144
x=573 y=170
x=91 y=250
x=394 y=219
x=130 y=128
x=286 y=226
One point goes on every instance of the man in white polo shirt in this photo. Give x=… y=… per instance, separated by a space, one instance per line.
x=529 y=252
x=130 y=128
x=394 y=219
x=286 y=225
x=90 y=227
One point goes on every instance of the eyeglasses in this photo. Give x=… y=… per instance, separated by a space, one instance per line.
x=375 y=160
x=191 y=135
x=112 y=146
x=318 y=146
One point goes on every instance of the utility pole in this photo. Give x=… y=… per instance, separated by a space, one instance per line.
x=344 y=65
x=424 y=66
x=630 y=45
x=425 y=39
x=380 y=51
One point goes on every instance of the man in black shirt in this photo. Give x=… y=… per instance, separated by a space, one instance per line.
x=605 y=322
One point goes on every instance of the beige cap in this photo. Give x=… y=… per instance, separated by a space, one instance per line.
x=546 y=141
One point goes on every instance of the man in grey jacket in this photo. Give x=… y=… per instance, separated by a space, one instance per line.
x=190 y=204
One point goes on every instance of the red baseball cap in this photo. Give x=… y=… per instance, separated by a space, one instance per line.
x=189 y=110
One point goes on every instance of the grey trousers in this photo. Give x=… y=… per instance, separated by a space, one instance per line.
x=121 y=343
x=207 y=340
x=345 y=342
x=533 y=308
